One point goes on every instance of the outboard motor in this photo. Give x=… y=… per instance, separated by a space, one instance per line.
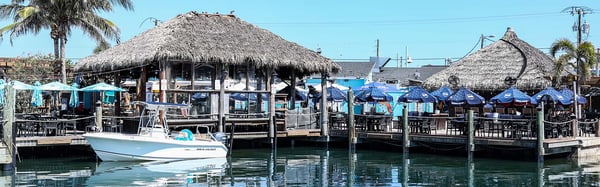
x=221 y=137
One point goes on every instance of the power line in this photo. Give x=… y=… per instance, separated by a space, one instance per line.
x=416 y=21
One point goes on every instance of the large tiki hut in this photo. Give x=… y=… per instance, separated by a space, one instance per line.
x=508 y=61
x=197 y=53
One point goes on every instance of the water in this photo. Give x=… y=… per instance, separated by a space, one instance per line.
x=307 y=166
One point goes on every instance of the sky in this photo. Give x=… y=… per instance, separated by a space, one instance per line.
x=427 y=31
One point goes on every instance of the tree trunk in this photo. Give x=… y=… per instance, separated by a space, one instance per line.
x=63 y=64
x=56 y=49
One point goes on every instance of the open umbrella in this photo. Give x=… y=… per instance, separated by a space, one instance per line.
x=335 y=94
x=372 y=94
x=74 y=100
x=99 y=87
x=465 y=96
x=442 y=93
x=568 y=93
x=381 y=86
x=556 y=96
x=300 y=94
x=56 y=86
x=245 y=96
x=417 y=94
x=18 y=85
x=200 y=96
x=2 y=84
x=36 y=97
x=512 y=96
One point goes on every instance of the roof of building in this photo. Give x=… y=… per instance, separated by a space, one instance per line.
x=487 y=68
x=208 y=38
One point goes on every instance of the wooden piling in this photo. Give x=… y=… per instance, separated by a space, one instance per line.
x=597 y=128
x=9 y=129
x=471 y=135
x=324 y=108
x=540 y=138
x=99 y=116
x=351 y=127
x=405 y=131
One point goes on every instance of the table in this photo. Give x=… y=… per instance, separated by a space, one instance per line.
x=440 y=120
x=373 y=122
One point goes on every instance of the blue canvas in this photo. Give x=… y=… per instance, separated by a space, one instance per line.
x=442 y=93
x=568 y=93
x=417 y=94
x=466 y=97
x=511 y=96
x=555 y=95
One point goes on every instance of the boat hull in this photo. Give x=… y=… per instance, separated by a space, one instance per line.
x=130 y=147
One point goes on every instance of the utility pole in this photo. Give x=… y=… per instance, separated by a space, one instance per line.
x=580 y=29
x=377 y=49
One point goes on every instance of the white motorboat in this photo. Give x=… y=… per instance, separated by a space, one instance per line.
x=153 y=142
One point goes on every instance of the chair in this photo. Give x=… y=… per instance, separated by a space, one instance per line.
x=429 y=126
x=487 y=110
x=455 y=127
x=112 y=126
x=458 y=110
x=500 y=110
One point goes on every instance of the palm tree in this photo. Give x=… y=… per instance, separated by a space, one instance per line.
x=60 y=16
x=580 y=57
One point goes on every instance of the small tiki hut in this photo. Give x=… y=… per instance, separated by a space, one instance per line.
x=196 y=55
x=508 y=61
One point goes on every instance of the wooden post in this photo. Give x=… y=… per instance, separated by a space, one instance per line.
x=575 y=125
x=351 y=127
x=99 y=116
x=117 y=94
x=540 y=141
x=471 y=135
x=405 y=131
x=597 y=128
x=272 y=120
x=293 y=91
x=9 y=129
x=324 y=108
x=223 y=73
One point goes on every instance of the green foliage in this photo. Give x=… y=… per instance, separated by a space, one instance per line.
x=580 y=57
x=32 y=68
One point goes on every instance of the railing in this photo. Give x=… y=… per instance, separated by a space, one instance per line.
x=491 y=128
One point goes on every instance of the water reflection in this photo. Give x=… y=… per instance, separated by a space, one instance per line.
x=308 y=167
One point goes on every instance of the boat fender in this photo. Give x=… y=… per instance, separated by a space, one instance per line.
x=185 y=135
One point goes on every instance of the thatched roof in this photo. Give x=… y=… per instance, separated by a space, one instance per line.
x=487 y=68
x=207 y=38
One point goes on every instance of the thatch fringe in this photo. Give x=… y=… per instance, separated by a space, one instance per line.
x=207 y=38
x=487 y=68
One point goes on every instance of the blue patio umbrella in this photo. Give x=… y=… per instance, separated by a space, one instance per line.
x=417 y=94
x=442 y=93
x=511 y=96
x=2 y=85
x=465 y=96
x=100 y=87
x=378 y=85
x=18 y=85
x=299 y=94
x=335 y=94
x=56 y=86
x=246 y=96
x=74 y=100
x=568 y=93
x=372 y=94
x=556 y=96
x=36 y=97
x=200 y=97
